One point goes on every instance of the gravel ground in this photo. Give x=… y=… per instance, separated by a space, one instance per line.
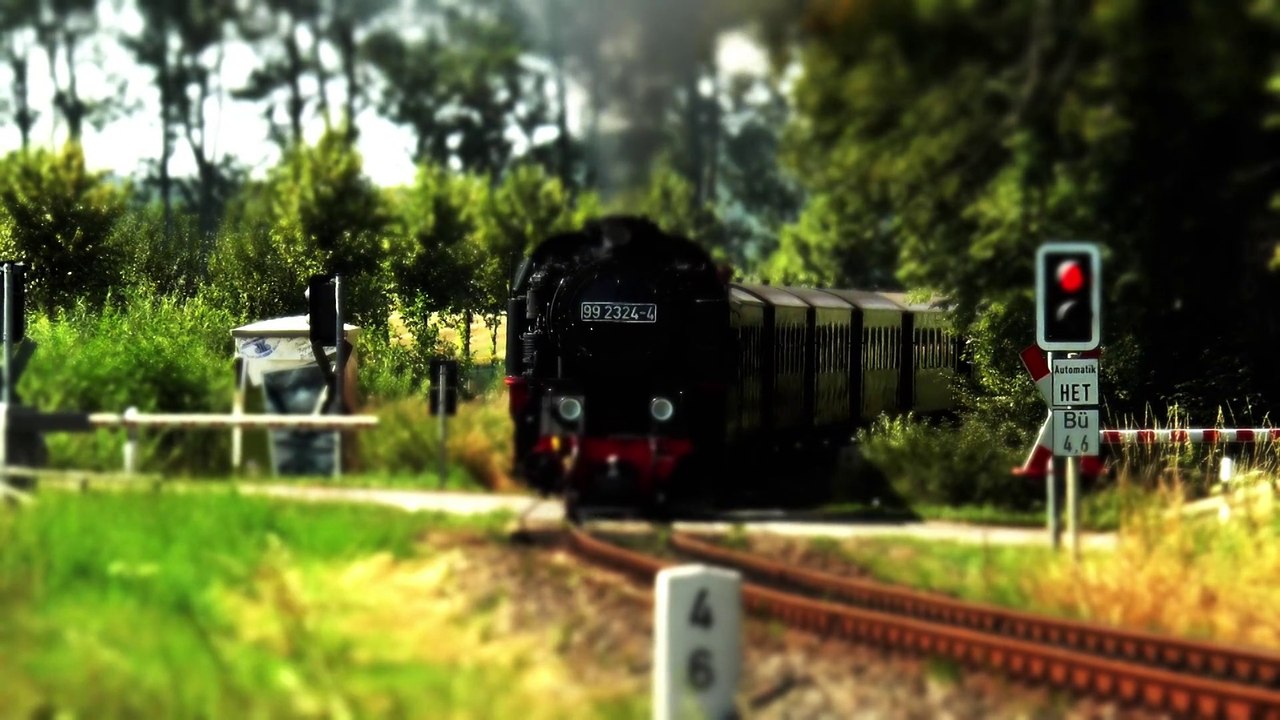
x=602 y=624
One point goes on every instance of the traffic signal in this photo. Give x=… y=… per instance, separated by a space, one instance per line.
x=322 y=310
x=17 y=273
x=1068 y=296
x=445 y=371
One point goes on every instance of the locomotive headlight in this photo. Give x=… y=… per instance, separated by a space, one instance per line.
x=661 y=409
x=569 y=409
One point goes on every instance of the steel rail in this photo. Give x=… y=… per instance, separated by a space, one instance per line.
x=1244 y=665
x=1155 y=688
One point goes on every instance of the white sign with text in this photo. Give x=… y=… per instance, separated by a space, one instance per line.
x=1075 y=383
x=1076 y=433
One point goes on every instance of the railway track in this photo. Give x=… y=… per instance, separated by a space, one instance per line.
x=1183 y=677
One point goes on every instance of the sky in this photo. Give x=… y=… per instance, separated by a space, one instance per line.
x=238 y=127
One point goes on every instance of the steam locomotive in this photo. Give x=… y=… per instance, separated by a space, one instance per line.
x=641 y=379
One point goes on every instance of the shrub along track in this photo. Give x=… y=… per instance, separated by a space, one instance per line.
x=1161 y=673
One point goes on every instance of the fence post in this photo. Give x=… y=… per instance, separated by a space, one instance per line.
x=1051 y=505
x=340 y=338
x=130 y=441
x=444 y=432
x=7 y=329
x=1073 y=505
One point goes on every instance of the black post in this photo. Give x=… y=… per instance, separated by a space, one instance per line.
x=339 y=343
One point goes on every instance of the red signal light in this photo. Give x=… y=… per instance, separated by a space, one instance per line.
x=1070 y=276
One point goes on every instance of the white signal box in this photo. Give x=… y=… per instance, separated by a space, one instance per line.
x=697 y=654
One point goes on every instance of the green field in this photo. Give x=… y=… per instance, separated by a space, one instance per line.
x=213 y=605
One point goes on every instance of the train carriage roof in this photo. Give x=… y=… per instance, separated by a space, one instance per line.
x=866 y=299
x=738 y=295
x=934 y=303
x=773 y=296
x=820 y=298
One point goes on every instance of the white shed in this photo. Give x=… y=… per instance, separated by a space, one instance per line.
x=275 y=345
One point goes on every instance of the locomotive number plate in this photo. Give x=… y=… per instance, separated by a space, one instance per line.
x=619 y=312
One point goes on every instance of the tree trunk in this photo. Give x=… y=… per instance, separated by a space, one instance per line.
x=713 y=134
x=556 y=12
x=73 y=108
x=296 y=102
x=166 y=127
x=322 y=78
x=346 y=36
x=23 y=116
x=693 y=130
x=466 y=335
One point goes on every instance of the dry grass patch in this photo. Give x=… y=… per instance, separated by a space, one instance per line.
x=478 y=608
x=1202 y=576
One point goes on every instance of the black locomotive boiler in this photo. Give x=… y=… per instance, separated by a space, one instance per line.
x=641 y=378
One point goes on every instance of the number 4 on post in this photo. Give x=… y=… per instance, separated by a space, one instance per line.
x=697 y=641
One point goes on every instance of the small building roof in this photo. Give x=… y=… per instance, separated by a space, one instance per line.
x=290 y=326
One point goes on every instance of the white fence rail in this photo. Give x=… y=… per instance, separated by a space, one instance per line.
x=132 y=421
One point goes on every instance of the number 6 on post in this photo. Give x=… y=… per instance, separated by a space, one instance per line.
x=697 y=644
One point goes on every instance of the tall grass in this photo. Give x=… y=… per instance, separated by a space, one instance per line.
x=479 y=440
x=215 y=605
x=1208 y=575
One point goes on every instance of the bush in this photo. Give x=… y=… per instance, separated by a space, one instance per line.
x=155 y=353
x=407 y=439
x=947 y=463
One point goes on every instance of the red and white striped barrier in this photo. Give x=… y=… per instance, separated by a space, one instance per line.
x=1033 y=359
x=1206 y=436
x=1037 y=462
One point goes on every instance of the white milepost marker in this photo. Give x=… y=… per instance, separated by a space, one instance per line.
x=697 y=653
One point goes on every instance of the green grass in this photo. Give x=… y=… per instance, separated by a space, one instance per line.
x=973 y=572
x=116 y=606
x=1096 y=514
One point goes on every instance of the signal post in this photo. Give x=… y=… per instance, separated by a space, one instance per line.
x=1068 y=323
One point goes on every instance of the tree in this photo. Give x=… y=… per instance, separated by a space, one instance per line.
x=956 y=138
x=346 y=27
x=316 y=213
x=278 y=28
x=184 y=44
x=463 y=86
x=58 y=216
x=435 y=261
x=670 y=201
x=62 y=25
x=525 y=208
x=18 y=30
x=755 y=196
